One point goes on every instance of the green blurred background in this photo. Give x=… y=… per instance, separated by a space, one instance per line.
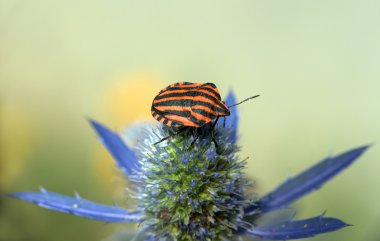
x=314 y=63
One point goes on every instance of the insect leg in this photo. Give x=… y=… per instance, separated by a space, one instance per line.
x=216 y=121
x=195 y=134
x=213 y=133
x=224 y=122
x=170 y=136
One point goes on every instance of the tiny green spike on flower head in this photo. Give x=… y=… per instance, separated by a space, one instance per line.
x=192 y=192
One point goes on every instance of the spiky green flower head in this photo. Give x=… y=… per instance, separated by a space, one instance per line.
x=192 y=192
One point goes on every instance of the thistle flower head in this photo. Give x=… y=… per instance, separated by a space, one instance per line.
x=191 y=192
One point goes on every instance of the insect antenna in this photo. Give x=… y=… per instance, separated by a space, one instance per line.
x=244 y=100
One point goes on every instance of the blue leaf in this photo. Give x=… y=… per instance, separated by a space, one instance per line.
x=78 y=206
x=297 y=229
x=233 y=119
x=124 y=156
x=307 y=181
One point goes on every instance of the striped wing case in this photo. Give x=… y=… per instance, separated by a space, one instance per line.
x=188 y=104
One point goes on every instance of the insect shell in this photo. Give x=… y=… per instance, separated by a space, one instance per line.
x=186 y=104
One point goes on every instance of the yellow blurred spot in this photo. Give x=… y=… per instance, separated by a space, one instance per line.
x=130 y=98
x=18 y=138
x=126 y=102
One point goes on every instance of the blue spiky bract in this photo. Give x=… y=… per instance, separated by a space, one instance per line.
x=78 y=206
x=309 y=180
x=191 y=192
x=296 y=229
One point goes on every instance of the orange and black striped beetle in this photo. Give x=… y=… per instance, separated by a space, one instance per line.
x=187 y=105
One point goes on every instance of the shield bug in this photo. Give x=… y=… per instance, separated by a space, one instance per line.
x=186 y=105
